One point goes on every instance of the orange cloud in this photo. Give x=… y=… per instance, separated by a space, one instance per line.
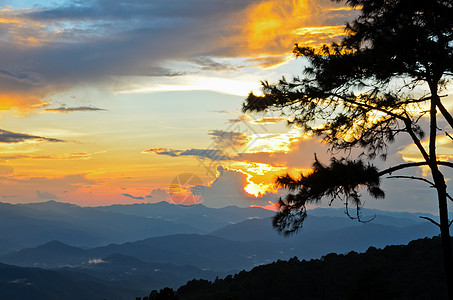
x=274 y=26
x=21 y=30
x=22 y=100
x=260 y=177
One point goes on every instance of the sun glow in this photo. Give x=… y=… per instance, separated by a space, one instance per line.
x=258 y=190
x=273 y=142
x=258 y=172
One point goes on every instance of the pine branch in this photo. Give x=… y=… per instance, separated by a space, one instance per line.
x=447 y=134
x=415 y=178
x=449 y=197
x=358 y=216
x=431 y=220
x=345 y=99
x=445 y=113
x=416 y=164
x=416 y=140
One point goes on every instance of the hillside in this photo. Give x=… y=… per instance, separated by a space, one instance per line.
x=414 y=271
x=38 y=284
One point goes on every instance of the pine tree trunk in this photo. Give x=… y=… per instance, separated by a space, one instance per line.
x=444 y=229
x=441 y=187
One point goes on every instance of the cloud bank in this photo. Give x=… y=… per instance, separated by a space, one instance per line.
x=47 y=49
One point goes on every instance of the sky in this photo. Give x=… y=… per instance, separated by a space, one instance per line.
x=139 y=101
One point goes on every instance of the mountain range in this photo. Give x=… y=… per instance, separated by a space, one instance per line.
x=161 y=244
x=29 y=225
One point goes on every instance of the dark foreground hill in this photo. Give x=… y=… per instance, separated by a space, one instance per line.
x=414 y=271
x=17 y=283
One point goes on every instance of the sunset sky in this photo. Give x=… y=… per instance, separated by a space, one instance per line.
x=139 y=101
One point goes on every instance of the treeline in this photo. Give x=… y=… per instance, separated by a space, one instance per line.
x=414 y=271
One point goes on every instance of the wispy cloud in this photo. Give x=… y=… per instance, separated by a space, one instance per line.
x=213 y=154
x=270 y=120
x=69 y=156
x=208 y=63
x=134 y=197
x=241 y=118
x=66 y=109
x=14 y=137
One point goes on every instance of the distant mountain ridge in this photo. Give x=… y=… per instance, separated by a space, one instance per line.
x=29 y=225
x=235 y=247
x=199 y=216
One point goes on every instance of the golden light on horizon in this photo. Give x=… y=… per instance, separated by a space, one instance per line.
x=258 y=190
x=260 y=177
x=271 y=206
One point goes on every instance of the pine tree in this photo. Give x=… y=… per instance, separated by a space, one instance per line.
x=364 y=92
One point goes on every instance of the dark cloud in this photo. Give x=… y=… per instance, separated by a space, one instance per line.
x=121 y=37
x=226 y=146
x=164 y=72
x=28 y=77
x=212 y=154
x=45 y=195
x=228 y=140
x=134 y=197
x=207 y=63
x=140 y=9
x=66 y=109
x=241 y=118
x=14 y=137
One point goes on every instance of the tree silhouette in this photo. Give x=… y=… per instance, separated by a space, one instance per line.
x=164 y=294
x=362 y=93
